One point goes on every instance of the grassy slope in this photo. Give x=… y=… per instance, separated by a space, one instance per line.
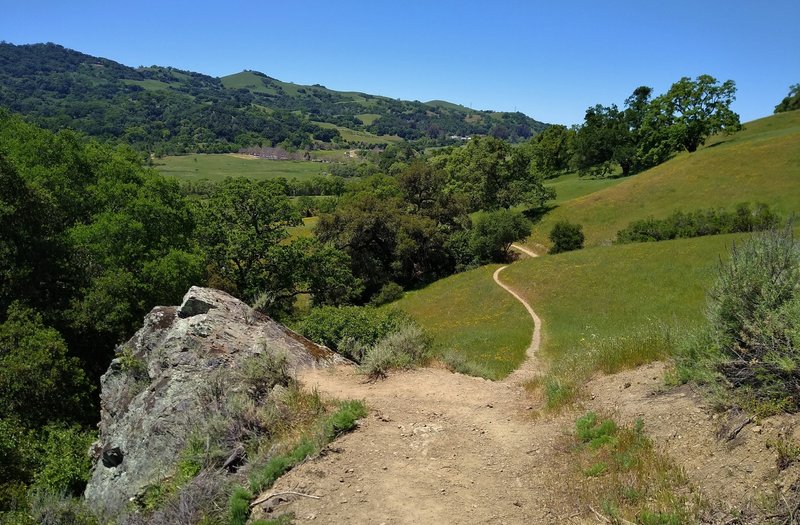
x=218 y=167
x=468 y=313
x=570 y=186
x=759 y=164
x=612 y=291
x=306 y=230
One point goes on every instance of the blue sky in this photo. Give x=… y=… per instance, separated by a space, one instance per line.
x=549 y=60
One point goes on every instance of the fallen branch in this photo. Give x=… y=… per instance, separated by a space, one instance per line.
x=287 y=493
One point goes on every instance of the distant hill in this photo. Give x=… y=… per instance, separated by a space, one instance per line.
x=167 y=110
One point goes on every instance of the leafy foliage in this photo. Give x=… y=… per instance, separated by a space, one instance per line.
x=791 y=101
x=566 y=237
x=494 y=232
x=754 y=313
x=39 y=381
x=700 y=222
x=331 y=326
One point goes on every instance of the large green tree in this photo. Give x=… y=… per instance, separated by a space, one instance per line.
x=696 y=109
x=495 y=175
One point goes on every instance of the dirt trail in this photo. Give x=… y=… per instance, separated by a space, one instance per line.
x=440 y=447
x=437 y=447
x=531 y=365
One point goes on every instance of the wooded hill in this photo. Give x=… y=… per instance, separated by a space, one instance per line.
x=166 y=110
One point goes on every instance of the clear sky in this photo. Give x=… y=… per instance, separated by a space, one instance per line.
x=550 y=60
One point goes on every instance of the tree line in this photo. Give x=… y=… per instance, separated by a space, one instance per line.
x=645 y=132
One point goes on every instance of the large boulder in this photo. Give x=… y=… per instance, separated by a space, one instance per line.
x=149 y=397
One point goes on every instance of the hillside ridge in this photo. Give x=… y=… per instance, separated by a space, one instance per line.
x=169 y=110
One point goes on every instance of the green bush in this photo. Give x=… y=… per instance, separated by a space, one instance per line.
x=495 y=231
x=566 y=237
x=66 y=465
x=402 y=349
x=239 y=506
x=388 y=293
x=330 y=325
x=344 y=419
x=681 y=225
x=595 y=432
x=754 y=315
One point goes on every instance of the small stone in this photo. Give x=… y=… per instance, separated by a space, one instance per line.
x=627 y=385
x=757 y=429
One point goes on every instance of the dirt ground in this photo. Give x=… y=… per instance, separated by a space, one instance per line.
x=439 y=447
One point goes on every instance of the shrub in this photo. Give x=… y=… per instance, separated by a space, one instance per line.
x=681 y=225
x=330 y=325
x=402 y=349
x=239 y=506
x=566 y=237
x=388 y=293
x=66 y=464
x=48 y=508
x=754 y=314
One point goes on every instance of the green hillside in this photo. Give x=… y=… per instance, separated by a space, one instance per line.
x=164 y=110
x=759 y=164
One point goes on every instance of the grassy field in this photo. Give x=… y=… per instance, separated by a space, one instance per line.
x=759 y=164
x=219 y=167
x=470 y=315
x=570 y=186
x=306 y=230
x=612 y=291
x=368 y=118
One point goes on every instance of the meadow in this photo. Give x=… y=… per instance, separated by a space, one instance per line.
x=467 y=314
x=222 y=166
x=759 y=164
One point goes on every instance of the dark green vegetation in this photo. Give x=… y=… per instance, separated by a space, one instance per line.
x=623 y=477
x=645 y=133
x=163 y=110
x=752 y=341
x=791 y=101
x=700 y=222
x=566 y=237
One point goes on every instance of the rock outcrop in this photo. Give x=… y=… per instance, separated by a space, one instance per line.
x=149 y=397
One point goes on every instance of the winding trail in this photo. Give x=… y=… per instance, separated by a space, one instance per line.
x=529 y=367
x=437 y=447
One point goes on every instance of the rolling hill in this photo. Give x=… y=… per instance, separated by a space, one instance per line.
x=610 y=307
x=761 y=163
x=166 y=110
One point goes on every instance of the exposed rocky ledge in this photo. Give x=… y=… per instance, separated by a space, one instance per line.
x=149 y=397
